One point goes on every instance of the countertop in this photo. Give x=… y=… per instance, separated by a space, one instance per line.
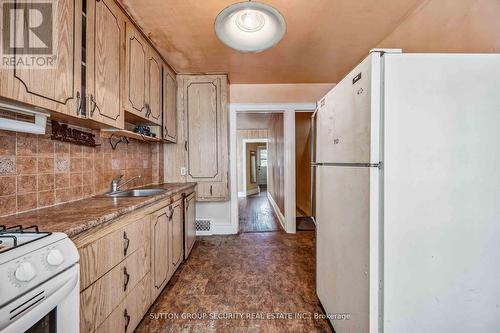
x=75 y=217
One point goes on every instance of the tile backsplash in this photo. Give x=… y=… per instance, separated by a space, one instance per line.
x=36 y=171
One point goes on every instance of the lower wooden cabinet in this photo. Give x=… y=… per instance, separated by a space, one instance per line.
x=189 y=223
x=167 y=245
x=128 y=314
x=101 y=298
x=126 y=264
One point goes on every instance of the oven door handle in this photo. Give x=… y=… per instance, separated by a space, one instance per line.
x=64 y=284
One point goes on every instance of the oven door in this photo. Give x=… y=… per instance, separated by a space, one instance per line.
x=51 y=307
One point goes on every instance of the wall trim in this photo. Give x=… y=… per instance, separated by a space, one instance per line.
x=244 y=159
x=276 y=209
x=288 y=110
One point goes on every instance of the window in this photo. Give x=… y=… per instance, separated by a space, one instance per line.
x=263 y=157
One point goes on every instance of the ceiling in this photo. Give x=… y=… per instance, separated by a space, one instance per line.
x=324 y=39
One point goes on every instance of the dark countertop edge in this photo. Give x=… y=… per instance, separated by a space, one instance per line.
x=83 y=226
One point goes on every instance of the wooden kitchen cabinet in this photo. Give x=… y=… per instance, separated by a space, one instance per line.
x=154 y=88
x=189 y=223
x=169 y=129
x=167 y=245
x=160 y=250
x=56 y=87
x=143 y=78
x=105 y=62
x=125 y=264
x=103 y=296
x=206 y=102
x=177 y=234
x=136 y=55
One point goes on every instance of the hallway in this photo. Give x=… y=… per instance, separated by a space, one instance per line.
x=251 y=275
x=256 y=214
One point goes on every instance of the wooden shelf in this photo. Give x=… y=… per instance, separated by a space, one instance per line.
x=130 y=134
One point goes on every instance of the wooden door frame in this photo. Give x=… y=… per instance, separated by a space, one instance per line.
x=244 y=161
x=288 y=110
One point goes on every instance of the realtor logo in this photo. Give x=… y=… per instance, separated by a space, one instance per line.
x=28 y=34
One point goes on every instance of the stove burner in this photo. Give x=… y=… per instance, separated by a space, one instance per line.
x=15 y=236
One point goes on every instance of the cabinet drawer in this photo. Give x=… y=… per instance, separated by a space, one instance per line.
x=102 y=297
x=129 y=313
x=98 y=257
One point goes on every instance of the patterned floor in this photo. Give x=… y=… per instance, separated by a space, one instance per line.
x=264 y=277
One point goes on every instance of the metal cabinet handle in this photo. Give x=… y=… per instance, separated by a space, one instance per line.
x=126 y=279
x=127 y=319
x=93 y=105
x=185 y=145
x=126 y=243
x=78 y=103
x=210 y=190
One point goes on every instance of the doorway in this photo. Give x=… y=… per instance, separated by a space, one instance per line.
x=303 y=168
x=259 y=136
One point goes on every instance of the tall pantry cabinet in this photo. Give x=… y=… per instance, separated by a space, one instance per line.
x=202 y=153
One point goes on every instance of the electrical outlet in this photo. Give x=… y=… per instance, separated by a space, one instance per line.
x=183 y=171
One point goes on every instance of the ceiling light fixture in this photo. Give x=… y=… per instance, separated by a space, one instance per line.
x=250 y=26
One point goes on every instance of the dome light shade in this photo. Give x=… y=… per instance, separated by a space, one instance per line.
x=250 y=26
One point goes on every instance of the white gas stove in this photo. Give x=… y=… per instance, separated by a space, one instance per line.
x=39 y=281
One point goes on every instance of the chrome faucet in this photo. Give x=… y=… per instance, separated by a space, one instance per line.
x=117 y=182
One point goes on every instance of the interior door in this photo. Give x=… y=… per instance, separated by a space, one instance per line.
x=189 y=223
x=160 y=250
x=136 y=71
x=105 y=60
x=55 y=85
x=343 y=244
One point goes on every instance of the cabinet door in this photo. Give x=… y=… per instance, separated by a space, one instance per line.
x=154 y=88
x=169 y=106
x=176 y=219
x=135 y=71
x=203 y=120
x=105 y=61
x=205 y=107
x=160 y=250
x=56 y=85
x=189 y=223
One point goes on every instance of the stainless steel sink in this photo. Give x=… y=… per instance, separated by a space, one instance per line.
x=142 y=192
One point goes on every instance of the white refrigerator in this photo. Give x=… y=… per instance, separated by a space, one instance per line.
x=407 y=195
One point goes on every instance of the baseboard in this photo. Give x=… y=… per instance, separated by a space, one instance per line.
x=281 y=218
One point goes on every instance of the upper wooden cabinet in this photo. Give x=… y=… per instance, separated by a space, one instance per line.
x=56 y=87
x=104 y=70
x=143 y=78
x=105 y=62
x=154 y=89
x=205 y=103
x=169 y=106
x=136 y=69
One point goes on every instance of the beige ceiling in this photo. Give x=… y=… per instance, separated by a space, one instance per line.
x=324 y=39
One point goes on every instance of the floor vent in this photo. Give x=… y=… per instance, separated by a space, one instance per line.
x=203 y=226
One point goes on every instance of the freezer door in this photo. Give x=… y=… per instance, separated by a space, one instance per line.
x=343 y=245
x=344 y=120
